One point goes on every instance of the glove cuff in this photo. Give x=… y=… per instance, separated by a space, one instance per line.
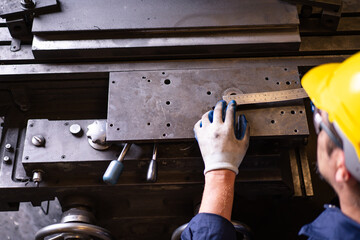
x=221 y=161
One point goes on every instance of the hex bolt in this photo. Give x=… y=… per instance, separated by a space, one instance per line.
x=38 y=140
x=8 y=147
x=75 y=129
x=6 y=159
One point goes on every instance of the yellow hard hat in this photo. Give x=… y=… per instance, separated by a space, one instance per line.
x=335 y=88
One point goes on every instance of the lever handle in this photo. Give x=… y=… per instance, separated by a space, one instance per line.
x=152 y=170
x=113 y=172
x=115 y=168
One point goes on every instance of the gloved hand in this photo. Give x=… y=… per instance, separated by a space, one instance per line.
x=222 y=147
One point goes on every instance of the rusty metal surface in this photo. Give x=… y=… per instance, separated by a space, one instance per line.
x=166 y=104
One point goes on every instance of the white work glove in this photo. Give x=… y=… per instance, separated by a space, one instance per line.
x=222 y=147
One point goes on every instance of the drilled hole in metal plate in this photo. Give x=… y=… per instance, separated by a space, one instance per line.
x=168 y=124
x=167 y=81
x=285 y=69
x=31 y=125
x=288 y=83
x=26 y=157
x=208 y=93
x=167 y=102
x=149 y=80
x=63 y=156
x=300 y=112
x=163 y=73
x=118 y=129
x=148 y=124
x=296 y=130
x=66 y=123
x=278 y=83
x=111 y=125
x=272 y=121
x=164 y=135
x=293 y=112
x=282 y=112
x=143 y=77
x=266 y=78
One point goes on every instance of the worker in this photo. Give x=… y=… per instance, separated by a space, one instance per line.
x=334 y=90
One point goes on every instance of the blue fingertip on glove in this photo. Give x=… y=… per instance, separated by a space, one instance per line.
x=242 y=125
x=211 y=116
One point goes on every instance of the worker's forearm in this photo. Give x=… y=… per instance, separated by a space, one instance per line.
x=218 y=193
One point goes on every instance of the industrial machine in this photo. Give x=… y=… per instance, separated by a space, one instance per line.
x=98 y=100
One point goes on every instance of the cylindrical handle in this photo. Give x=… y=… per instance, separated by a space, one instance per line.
x=115 y=168
x=152 y=170
x=113 y=172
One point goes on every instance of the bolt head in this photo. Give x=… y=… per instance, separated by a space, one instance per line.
x=8 y=147
x=6 y=159
x=38 y=140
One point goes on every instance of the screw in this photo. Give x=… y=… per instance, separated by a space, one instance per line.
x=38 y=140
x=6 y=159
x=8 y=147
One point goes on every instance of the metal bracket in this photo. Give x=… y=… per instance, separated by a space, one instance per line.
x=19 y=15
x=15 y=45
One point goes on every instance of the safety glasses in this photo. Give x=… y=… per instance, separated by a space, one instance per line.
x=320 y=125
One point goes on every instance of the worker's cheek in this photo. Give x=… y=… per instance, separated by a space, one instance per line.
x=322 y=156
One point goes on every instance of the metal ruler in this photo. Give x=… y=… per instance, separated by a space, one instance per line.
x=267 y=97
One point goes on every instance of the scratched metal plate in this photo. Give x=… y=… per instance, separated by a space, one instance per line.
x=155 y=105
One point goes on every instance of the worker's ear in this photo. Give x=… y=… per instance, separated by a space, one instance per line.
x=342 y=175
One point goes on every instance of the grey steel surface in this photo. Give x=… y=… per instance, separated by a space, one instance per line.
x=206 y=44
x=165 y=105
x=33 y=72
x=23 y=224
x=61 y=146
x=92 y=15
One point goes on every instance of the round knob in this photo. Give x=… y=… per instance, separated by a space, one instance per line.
x=75 y=129
x=96 y=134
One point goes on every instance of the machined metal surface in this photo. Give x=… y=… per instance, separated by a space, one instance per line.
x=166 y=104
x=205 y=44
x=77 y=16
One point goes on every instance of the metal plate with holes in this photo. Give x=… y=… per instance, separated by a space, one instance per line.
x=61 y=146
x=155 y=105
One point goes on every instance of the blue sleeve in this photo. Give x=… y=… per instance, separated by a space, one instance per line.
x=210 y=227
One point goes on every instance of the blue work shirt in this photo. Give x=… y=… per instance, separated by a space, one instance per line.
x=331 y=224
x=210 y=227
